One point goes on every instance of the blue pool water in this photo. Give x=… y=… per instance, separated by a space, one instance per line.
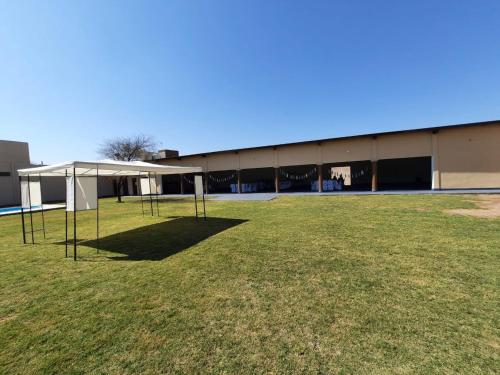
x=13 y=210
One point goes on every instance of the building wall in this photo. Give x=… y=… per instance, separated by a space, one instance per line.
x=222 y=162
x=462 y=157
x=404 y=145
x=347 y=150
x=298 y=155
x=13 y=156
x=250 y=159
x=469 y=157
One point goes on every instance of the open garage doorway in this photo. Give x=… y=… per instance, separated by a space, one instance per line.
x=298 y=178
x=347 y=176
x=187 y=181
x=171 y=184
x=405 y=174
x=222 y=182
x=258 y=180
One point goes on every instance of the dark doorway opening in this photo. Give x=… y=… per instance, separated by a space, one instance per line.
x=405 y=174
x=298 y=178
x=188 y=183
x=222 y=182
x=134 y=186
x=257 y=180
x=125 y=186
x=358 y=176
x=171 y=184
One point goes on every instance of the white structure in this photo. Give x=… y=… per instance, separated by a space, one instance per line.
x=151 y=185
x=31 y=193
x=82 y=195
x=13 y=155
x=82 y=189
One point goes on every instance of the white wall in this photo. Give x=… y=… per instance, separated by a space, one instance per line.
x=13 y=156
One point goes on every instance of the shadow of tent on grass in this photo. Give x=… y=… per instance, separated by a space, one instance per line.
x=159 y=241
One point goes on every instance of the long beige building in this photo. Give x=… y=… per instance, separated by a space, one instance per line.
x=464 y=156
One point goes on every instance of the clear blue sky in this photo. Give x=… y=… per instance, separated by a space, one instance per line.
x=209 y=75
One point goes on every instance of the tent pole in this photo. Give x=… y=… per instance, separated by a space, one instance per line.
x=150 y=193
x=195 y=203
x=41 y=199
x=204 y=211
x=156 y=190
x=31 y=211
x=74 y=212
x=97 y=206
x=66 y=212
x=22 y=211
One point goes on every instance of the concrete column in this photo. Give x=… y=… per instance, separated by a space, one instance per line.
x=206 y=182
x=277 y=179
x=436 y=174
x=182 y=183
x=238 y=176
x=374 y=175
x=320 y=178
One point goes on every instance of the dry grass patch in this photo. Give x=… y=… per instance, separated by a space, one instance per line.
x=488 y=207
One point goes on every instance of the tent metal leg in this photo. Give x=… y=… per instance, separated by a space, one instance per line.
x=22 y=223
x=66 y=241
x=22 y=211
x=66 y=214
x=97 y=205
x=43 y=216
x=43 y=224
x=195 y=205
x=157 y=203
x=150 y=194
x=31 y=212
x=204 y=211
x=74 y=235
x=74 y=213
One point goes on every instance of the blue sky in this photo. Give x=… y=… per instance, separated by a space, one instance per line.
x=209 y=75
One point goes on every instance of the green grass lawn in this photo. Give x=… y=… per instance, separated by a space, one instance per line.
x=368 y=284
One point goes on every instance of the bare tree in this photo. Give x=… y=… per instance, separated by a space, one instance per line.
x=126 y=149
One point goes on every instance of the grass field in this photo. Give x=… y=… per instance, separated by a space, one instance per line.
x=365 y=285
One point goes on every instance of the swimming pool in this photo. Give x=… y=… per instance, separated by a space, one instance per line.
x=17 y=209
x=13 y=210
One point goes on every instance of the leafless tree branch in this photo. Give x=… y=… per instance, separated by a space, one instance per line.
x=126 y=149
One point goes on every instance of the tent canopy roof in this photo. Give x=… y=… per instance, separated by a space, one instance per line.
x=106 y=168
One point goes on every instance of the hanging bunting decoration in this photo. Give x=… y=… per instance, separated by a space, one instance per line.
x=222 y=179
x=306 y=176
x=283 y=172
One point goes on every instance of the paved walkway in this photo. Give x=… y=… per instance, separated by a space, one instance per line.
x=270 y=196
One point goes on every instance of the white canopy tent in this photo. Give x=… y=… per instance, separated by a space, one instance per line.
x=82 y=185
x=106 y=168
